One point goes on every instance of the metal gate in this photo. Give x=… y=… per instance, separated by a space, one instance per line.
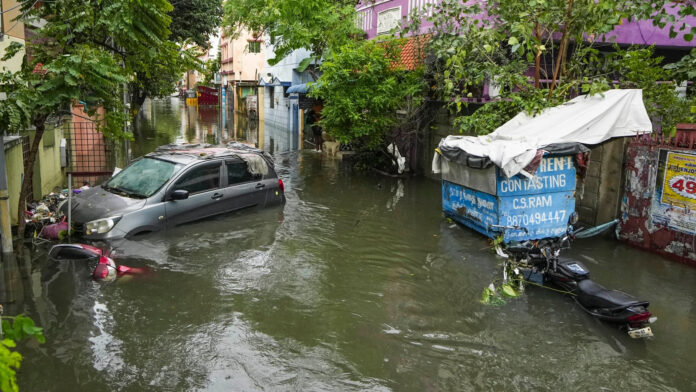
x=91 y=158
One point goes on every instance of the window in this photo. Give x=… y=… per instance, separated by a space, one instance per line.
x=200 y=178
x=271 y=90
x=237 y=173
x=254 y=46
x=388 y=20
x=143 y=177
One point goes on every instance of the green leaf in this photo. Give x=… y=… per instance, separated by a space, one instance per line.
x=688 y=37
x=304 y=63
x=9 y=343
x=486 y=296
x=513 y=41
x=508 y=291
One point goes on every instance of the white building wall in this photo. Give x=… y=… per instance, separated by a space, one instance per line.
x=279 y=115
x=283 y=72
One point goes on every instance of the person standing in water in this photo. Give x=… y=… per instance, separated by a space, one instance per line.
x=312 y=120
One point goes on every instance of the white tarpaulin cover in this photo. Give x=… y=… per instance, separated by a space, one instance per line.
x=585 y=120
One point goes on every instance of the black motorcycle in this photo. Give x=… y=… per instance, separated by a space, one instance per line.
x=540 y=262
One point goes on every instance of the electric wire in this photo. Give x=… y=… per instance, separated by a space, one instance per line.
x=10 y=9
x=19 y=19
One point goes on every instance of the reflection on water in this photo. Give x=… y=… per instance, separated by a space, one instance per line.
x=169 y=120
x=357 y=283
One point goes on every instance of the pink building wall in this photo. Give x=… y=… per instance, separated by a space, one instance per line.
x=376 y=15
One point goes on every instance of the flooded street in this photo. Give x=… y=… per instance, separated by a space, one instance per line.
x=357 y=283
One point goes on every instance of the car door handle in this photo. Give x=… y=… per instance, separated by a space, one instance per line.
x=259 y=186
x=216 y=196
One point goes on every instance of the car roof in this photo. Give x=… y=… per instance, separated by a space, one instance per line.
x=187 y=153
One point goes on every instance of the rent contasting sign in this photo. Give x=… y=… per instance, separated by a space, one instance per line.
x=541 y=204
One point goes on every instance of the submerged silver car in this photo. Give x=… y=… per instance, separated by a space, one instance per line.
x=177 y=184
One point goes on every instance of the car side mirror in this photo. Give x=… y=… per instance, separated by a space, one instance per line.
x=179 y=194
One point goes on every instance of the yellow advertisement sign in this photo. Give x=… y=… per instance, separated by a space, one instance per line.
x=679 y=188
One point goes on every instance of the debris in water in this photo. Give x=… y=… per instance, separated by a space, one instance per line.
x=391 y=330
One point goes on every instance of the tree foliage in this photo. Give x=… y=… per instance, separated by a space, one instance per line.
x=81 y=53
x=538 y=53
x=315 y=25
x=14 y=111
x=210 y=68
x=195 y=21
x=158 y=68
x=362 y=85
x=14 y=329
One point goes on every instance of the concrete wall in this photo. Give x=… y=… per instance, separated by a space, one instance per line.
x=284 y=70
x=246 y=66
x=646 y=221
x=47 y=171
x=48 y=174
x=279 y=115
x=14 y=165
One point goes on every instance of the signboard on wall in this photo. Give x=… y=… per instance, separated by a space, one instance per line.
x=679 y=186
x=674 y=204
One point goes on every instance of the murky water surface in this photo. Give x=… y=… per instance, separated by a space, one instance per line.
x=358 y=283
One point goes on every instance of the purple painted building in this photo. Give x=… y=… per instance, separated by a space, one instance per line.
x=380 y=16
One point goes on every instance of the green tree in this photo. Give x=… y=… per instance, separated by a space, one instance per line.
x=158 y=68
x=13 y=330
x=521 y=44
x=156 y=71
x=362 y=86
x=195 y=20
x=315 y=25
x=210 y=68
x=79 y=54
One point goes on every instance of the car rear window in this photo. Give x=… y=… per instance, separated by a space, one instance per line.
x=238 y=172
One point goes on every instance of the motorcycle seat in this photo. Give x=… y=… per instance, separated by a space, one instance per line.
x=593 y=295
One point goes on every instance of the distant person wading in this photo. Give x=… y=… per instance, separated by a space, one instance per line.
x=312 y=119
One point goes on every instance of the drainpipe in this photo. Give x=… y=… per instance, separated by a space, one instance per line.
x=4 y=203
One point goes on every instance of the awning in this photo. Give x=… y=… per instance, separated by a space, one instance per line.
x=299 y=88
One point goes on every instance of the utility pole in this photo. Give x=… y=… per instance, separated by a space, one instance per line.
x=4 y=203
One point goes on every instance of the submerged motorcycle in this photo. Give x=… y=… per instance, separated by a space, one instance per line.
x=105 y=268
x=540 y=262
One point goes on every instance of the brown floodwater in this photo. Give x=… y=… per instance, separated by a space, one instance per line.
x=357 y=283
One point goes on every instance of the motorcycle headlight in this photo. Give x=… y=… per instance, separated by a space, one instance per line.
x=101 y=226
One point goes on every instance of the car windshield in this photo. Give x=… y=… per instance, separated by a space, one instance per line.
x=142 y=178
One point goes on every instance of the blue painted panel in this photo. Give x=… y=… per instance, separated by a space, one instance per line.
x=543 y=215
x=542 y=205
x=475 y=209
x=555 y=174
